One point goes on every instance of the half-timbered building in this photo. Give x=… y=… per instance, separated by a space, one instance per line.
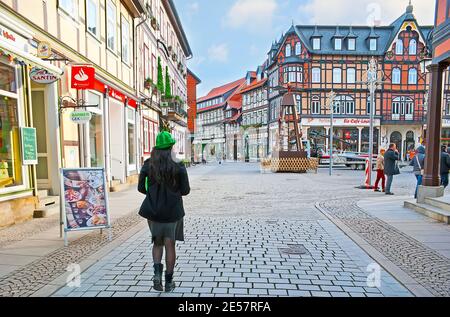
x=209 y=139
x=317 y=59
x=255 y=116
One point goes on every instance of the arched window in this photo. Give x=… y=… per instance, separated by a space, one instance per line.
x=288 y=50
x=412 y=76
x=396 y=76
x=344 y=105
x=315 y=105
x=412 y=47
x=298 y=48
x=399 y=47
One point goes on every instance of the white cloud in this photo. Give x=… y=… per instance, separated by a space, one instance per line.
x=253 y=15
x=218 y=53
x=363 y=11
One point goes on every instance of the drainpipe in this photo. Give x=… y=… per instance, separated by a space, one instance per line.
x=138 y=115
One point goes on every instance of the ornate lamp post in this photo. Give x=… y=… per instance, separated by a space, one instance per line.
x=374 y=79
x=330 y=104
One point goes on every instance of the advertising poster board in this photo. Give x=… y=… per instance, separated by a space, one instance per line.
x=29 y=146
x=84 y=199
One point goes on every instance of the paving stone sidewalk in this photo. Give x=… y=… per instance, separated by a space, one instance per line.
x=242 y=256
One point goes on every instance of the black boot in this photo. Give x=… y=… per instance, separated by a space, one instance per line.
x=157 y=278
x=170 y=284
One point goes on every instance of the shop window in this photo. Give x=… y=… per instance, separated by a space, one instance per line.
x=146 y=136
x=95 y=131
x=10 y=161
x=7 y=78
x=131 y=128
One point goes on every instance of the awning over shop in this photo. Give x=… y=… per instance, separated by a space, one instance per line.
x=29 y=59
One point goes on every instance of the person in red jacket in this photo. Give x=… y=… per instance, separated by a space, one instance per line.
x=380 y=171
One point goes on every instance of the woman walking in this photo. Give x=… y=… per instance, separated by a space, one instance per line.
x=418 y=163
x=380 y=171
x=164 y=182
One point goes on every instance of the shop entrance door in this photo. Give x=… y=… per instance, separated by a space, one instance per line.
x=235 y=156
x=39 y=110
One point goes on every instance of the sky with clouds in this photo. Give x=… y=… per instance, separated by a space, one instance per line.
x=229 y=37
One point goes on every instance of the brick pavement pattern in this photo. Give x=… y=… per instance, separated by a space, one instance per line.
x=235 y=256
x=425 y=265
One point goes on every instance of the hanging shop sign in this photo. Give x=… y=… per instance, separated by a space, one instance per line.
x=42 y=76
x=29 y=146
x=44 y=50
x=83 y=77
x=85 y=199
x=80 y=116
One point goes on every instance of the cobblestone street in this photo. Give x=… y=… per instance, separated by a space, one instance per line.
x=253 y=234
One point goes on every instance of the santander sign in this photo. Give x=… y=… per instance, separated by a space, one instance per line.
x=83 y=77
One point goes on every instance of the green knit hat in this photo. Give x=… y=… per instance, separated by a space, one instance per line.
x=164 y=140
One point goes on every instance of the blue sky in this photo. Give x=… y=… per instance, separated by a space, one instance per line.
x=229 y=37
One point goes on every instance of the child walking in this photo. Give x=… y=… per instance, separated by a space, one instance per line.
x=164 y=182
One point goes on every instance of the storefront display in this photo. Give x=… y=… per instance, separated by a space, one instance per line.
x=11 y=171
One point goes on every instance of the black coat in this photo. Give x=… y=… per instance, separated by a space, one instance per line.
x=390 y=157
x=445 y=163
x=162 y=204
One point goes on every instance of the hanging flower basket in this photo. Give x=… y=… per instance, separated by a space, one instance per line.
x=148 y=83
x=174 y=57
x=154 y=23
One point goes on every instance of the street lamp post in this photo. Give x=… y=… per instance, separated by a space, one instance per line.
x=330 y=104
x=372 y=81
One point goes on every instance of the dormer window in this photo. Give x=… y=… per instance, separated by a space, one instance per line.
x=288 y=50
x=351 y=44
x=316 y=43
x=337 y=44
x=298 y=48
x=399 y=47
x=412 y=47
x=373 y=44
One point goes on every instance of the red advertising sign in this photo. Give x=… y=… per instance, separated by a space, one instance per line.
x=83 y=77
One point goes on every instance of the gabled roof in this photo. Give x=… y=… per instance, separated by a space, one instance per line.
x=194 y=76
x=254 y=85
x=221 y=90
x=384 y=35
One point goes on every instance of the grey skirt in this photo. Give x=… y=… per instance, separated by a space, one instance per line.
x=172 y=230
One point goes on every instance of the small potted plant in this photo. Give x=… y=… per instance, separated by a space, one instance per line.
x=148 y=83
x=174 y=57
x=170 y=48
x=154 y=23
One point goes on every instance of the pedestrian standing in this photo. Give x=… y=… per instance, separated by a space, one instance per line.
x=418 y=166
x=445 y=166
x=380 y=171
x=391 y=158
x=164 y=182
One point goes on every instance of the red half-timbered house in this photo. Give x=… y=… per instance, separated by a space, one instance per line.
x=318 y=59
